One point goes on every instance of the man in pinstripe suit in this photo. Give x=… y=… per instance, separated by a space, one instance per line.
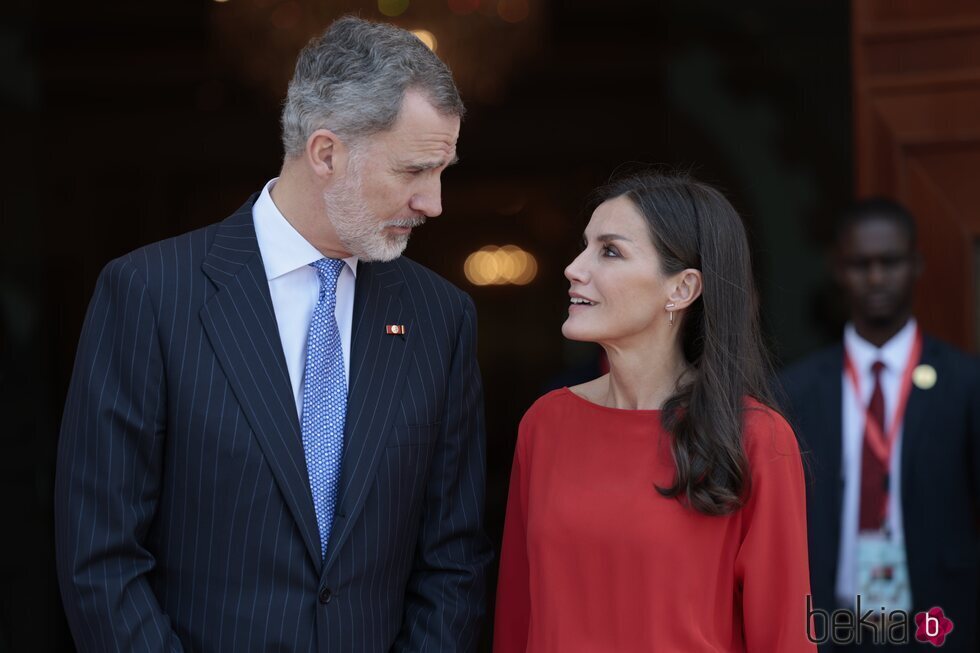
x=185 y=515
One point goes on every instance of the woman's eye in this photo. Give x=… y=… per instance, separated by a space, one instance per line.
x=609 y=251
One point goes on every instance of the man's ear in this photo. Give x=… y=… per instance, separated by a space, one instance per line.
x=325 y=153
x=686 y=288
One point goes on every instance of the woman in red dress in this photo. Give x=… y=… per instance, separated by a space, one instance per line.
x=659 y=507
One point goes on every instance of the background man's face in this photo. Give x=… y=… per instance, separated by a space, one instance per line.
x=877 y=268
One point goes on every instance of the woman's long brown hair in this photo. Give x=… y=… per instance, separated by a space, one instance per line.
x=692 y=225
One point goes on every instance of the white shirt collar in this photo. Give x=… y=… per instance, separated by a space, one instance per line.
x=894 y=353
x=283 y=248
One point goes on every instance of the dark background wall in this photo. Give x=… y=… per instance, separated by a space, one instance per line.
x=125 y=123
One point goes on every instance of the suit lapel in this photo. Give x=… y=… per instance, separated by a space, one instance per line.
x=377 y=373
x=241 y=326
x=919 y=405
x=828 y=394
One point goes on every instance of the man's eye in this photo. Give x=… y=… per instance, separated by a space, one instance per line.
x=892 y=261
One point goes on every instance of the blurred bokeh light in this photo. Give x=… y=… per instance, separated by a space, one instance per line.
x=498 y=266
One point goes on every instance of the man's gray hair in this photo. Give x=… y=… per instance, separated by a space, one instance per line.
x=352 y=79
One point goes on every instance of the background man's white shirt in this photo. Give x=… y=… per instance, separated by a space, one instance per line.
x=894 y=354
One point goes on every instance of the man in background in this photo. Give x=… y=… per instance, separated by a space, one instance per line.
x=891 y=420
x=274 y=435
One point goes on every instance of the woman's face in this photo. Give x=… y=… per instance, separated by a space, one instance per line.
x=618 y=275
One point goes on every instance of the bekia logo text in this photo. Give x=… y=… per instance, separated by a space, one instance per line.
x=878 y=627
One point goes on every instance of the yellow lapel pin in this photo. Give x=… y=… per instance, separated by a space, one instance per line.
x=924 y=377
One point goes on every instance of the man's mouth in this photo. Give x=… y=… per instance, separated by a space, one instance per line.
x=879 y=298
x=403 y=227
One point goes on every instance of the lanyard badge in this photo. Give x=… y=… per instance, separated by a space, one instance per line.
x=883 y=572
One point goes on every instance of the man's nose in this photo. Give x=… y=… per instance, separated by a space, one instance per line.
x=876 y=272
x=428 y=201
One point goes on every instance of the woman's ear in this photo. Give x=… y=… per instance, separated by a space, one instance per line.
x=687 y=287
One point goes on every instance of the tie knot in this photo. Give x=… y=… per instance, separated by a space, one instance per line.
x=328 y=269
x=876 y=368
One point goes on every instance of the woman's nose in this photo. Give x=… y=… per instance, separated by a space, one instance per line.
x=576 y=271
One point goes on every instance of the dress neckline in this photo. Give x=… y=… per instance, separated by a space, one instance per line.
x=617 y=411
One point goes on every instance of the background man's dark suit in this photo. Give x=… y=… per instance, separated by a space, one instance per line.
x=184 y=513
x=940 y=460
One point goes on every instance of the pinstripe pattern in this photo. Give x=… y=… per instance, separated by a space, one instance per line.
x=183 y=511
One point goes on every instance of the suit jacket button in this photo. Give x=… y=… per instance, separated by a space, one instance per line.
x=325 y=595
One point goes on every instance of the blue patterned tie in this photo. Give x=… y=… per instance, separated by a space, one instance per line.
x=324 y=399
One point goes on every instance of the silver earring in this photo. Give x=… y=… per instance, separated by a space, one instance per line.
x=670 y=314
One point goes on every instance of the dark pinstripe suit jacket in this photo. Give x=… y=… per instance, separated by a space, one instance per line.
x=184 y=518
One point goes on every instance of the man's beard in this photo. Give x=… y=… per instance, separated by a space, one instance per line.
x=357 y=228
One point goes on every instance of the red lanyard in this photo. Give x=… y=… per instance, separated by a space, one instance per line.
x=881 y=443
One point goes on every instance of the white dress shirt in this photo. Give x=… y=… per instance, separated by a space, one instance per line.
x=295 y=287
x=894 y=354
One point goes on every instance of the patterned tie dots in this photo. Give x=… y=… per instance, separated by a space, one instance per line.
x=324 y=400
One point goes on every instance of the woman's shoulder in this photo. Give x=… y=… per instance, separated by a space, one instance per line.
x=544 y=415
x=766 y=432
x=559 y=401
x=546 y=406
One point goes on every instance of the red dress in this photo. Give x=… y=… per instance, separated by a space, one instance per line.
x=595 y=560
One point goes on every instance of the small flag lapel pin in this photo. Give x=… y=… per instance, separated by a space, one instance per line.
x=395 y=329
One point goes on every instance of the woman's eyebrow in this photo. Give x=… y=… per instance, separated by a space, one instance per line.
x=606 y=238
